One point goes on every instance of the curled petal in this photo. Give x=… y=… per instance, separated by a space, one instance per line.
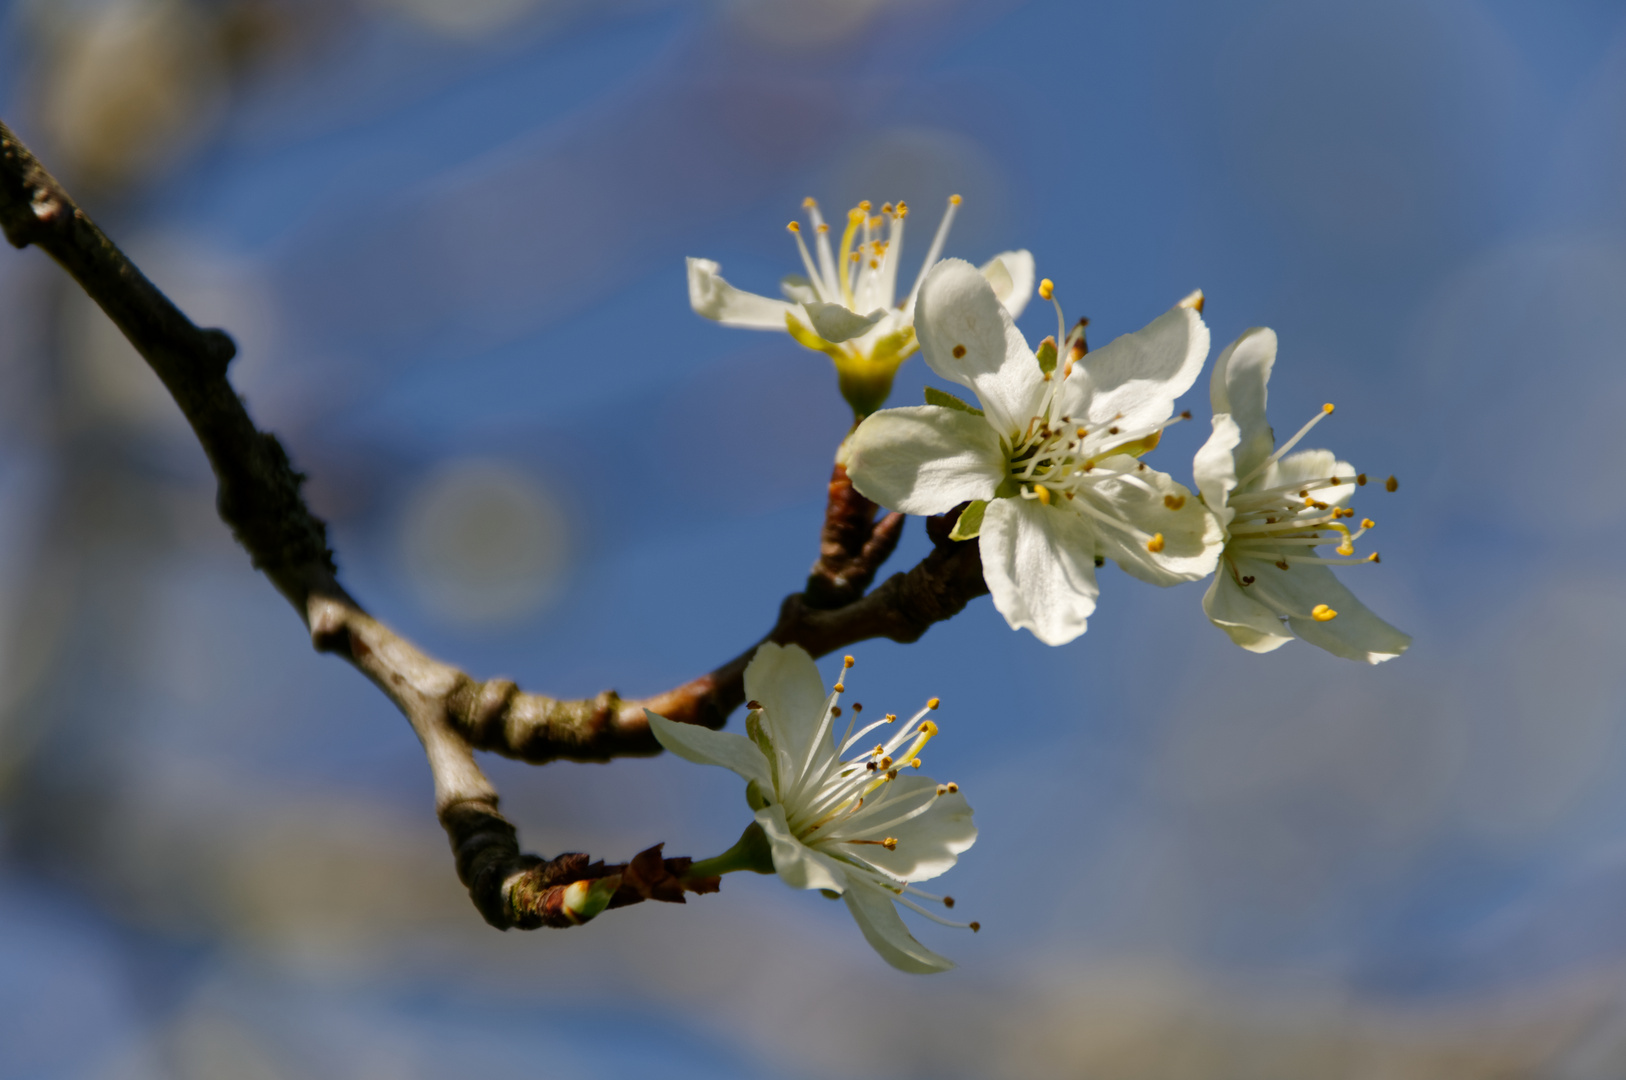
x=798 y=865
x=1237 y=388
x=833 y=322
x=1156 y=506
x=1249 y=623
x=872 y=909
x=1355 y=633
x=1214 y=467
x=715 y=298
x=1011 y=274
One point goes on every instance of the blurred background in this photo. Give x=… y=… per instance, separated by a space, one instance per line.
x=448 y=236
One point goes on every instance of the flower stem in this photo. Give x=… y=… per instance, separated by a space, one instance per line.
x=750 y=853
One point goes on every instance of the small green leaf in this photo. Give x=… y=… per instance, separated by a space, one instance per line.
x=970 y=523
x=934 y=396
x=1047 y=355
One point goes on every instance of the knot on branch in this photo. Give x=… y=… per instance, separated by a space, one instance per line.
x=852 y=545
x=570 y=890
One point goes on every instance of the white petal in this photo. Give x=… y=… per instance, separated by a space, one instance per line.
x=797 y=289
x=798 y=865
x=928 y=843
x=924 y=459
x=834 y=322
x=1310 y=465
x=706 y=747
x=1214 y=467
x=1039 y=563
x=1237 y=387
x=785 y=682
x=957 y=310
x=1133 y=380
x=1355 y=633
x=1249 y=623
x=715 y=298
x=877 y=917
x=1153 y=503
x=1015 y=287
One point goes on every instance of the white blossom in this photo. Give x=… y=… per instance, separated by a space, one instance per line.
x=1277 y=509
x=1051 y=462
x=864 y=824
x=846 y=305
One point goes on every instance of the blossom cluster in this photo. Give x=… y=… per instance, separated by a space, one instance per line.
x=1049 y=473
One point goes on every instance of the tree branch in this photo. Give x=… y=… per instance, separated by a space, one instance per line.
x=453 y=714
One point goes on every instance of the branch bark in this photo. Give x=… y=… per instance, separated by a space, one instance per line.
x=452 y=713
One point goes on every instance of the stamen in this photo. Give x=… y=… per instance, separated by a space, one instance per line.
x=936 y=250
x=847 y=662
x=1391 y=484
x=1323 y=613
x=933 y=703
x=1043 y=493
x=1326 y=410
x=1047 y=288
x=1155 y=544
x=1174 y=502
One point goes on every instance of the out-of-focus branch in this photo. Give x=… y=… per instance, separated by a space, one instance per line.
x=453 y=714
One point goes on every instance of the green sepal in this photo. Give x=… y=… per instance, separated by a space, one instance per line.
x=943 y=398
x=970 y=523
x=1047 y=355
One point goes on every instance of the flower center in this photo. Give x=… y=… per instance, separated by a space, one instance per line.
x=1283 y=524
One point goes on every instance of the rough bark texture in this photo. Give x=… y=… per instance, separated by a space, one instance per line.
x=452 y=713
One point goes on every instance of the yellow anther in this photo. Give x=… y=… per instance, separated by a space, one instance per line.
x=795 y=226
x=856 y=216
x=1043 y=493
x=875 y=222
x=1391 y=484
x=864 y=205
x=1194 y=301
x=878 y=751
x=928 y=729
x=1155 y=544
x=855 y=256
x=1345 y=549
x=933 y=703
x=1323 y=613
x=891 y=717
x=941 y=790
x=1373 y=557
x=1174 y=502
x=1047 y=288
x=1327 y=408
x=953 y=787
x=1083 y=432
x=890 y=843
x=886 y=762
x=954 y=199
x=839 y=687
x=1368 y=523
x=886 y=208
x=903 y=210
x=847 y=661
x=914 y=763
x=874 y=265
x=823 y=227
x=810 y=202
